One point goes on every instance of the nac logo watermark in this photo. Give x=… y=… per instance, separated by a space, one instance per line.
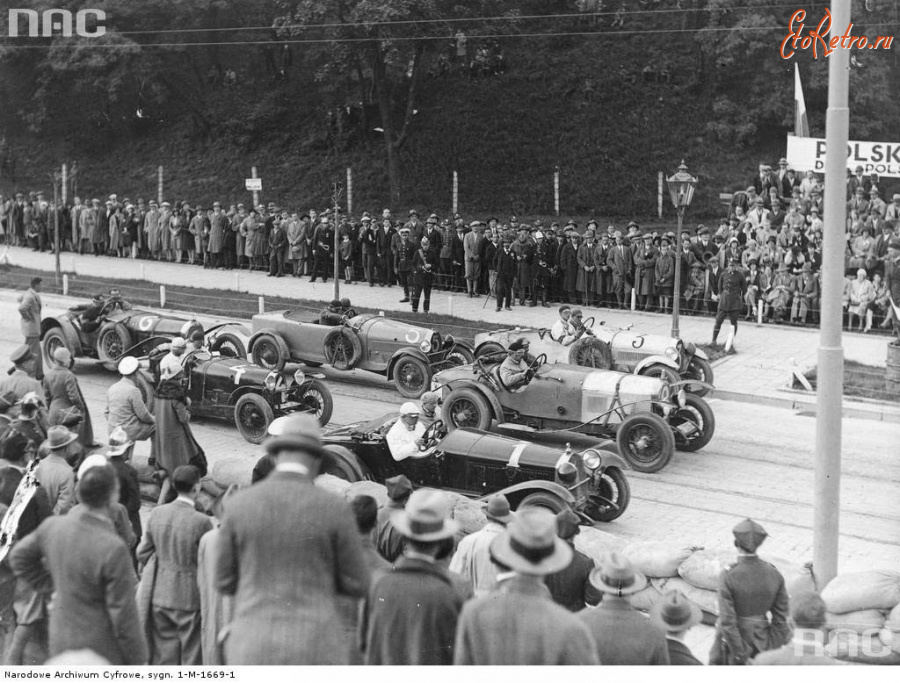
x=87 y=23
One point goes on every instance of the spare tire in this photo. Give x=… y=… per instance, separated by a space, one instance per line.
x=113 y=340
x=343 y=348
x=590 y=352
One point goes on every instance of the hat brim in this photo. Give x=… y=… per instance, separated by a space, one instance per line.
x=292 y=441
x=555 y=562
x=72 y=437
x=640 y=583
x=115 y=451
x=696 y=616
x=502 y=519
x=400 y=520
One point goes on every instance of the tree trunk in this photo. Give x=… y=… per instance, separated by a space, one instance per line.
x=383 y=96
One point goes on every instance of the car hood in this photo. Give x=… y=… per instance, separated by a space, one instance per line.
x=628 y=339
x=381 y=328
x=512 y=452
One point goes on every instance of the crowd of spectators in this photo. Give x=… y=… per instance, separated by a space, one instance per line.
x=773 y=230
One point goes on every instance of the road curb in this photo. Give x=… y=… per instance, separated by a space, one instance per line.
x=859 y=411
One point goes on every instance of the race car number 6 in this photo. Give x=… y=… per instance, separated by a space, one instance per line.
x=412 y=336
x=145 y=323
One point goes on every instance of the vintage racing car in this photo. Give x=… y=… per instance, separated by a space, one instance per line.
x=226 y=388
x=114 y=329
x=648 y=417
x=653 y=355
x=407 y=354
x=476 y=463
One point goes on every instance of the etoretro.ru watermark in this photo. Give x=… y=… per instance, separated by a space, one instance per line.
x=818 y=38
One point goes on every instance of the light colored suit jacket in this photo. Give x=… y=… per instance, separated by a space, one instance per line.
x=125 y=408
x=30 y=310
x=58 y=478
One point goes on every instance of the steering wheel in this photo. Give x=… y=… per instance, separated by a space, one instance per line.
x=432 y=434
x=588 y=326
x=537 y=363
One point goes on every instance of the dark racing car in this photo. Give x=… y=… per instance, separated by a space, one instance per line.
x=477 y=463
x=109 y=327
x=225 y=388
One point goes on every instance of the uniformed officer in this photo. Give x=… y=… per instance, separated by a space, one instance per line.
x=21 y=380
x=732 y=286
x=544 y=260
x=749 y=591
x=514 y=371
x=406 y=250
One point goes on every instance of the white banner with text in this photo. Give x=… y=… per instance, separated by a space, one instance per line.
x=808 y=154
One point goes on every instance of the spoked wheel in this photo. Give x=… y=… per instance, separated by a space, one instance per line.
x=466 y=407
x=269 y=351
x=700 y=370
x=590 y=352
x=229 y=346
x=460 y=355
x=342 y=348
x=645 y=441
x=412 y=376
x=698 y=415
x=661 y=371
x=252 y=416
x=614 y=487
x=316 y=399
x=112 y=340
x=54 y=339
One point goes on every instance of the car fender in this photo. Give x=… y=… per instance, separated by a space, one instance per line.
x=247 y=389
x=608 y=459
x=518 y=491
x=462 y=342
x=700 y=353
x=68 y=329
x=265 y=330
x=676 y=386
x=496 y=406
x=339 y=453
x=406 y=351
x=653 y=360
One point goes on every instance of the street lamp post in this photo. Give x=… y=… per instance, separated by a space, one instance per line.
x=681 y=188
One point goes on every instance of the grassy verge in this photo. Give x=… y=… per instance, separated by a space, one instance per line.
x=221 y=303
x=865 y=381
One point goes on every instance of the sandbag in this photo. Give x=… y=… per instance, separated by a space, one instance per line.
x=860 y=621
x=206 y=501
x=232 y=471
x=892 y=623
x=861 y=649
x=368 y=488
x=335 y=485
x=469 y=514
x=706 y=600
x=704 y=568
x=645 y=599
x=211 y=487
x=658 y=559
x=598 y=544
x=875 y=589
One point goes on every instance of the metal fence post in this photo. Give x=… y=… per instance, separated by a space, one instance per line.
x=162 y=296
x=262 y=304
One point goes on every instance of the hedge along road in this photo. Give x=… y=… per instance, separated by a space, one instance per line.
x=759 y=464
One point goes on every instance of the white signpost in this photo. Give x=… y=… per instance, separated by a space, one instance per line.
x=254 y=185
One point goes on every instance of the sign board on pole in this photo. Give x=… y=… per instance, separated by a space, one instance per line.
x=253 y=184
x=808 y=154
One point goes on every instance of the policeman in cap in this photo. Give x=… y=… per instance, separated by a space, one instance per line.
x=753 y=603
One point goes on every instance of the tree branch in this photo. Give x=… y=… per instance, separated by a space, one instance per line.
x=410 y=96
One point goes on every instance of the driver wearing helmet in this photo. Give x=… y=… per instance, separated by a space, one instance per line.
x=332 y=314
x=347 y=309
x=514 y=371
x=431 y=411
x=561 y=327
x=404 y=438
x=576 y=328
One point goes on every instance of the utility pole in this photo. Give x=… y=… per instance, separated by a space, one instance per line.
x=56 y=178
x=829 y=390
x=337 y=191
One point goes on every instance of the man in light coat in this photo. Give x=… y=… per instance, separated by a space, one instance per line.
x=472 y=559
x=30 y=311
x=173 y=534
x=287 y=549
x=125 y=405
x=472 y=249
x=55 y=474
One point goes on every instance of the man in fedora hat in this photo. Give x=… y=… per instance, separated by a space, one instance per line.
x=288 y=548
x=676 y=615
x=571 y=587
x=388 y=540
x=750 y=591
x=63 y=394
x=472 y=559
x=55 y=473
x=125 y=405
x=20 y=380
x=518 y=623
x=809 y=619
x=622 y=634
x=173 y=535
x=410 y=614
x=30 y=421
x=118 y=452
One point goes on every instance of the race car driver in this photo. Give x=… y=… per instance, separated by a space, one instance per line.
x=404 y=438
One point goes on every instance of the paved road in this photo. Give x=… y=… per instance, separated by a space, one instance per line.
x=759 y=464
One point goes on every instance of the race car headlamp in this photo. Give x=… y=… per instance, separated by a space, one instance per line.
x=591 y=459
x=567 y=473
x=425 y=346
x=271 y=381
x=672 y=353
x=299 y=377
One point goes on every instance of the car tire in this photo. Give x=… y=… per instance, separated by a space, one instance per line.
x=144 y=383
x=661 y=371
x=615 y=487
x=645 y=441
x=316 y=392
x=489 y=349
x=252 y=417
x=342 y=348
x=229 y=346
x=412 y=376
x=698 y=411
x=269 y=351
x=590 y=352
x=460 y=355
x=339 y=464
x=113 y=340
x=542 y=499
x=470 y=403
x=701 y=370
x=54 y=339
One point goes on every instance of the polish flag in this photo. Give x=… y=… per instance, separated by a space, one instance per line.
x=801 y=123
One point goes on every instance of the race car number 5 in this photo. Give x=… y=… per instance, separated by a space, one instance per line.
x=412 y=336
x=146 y=323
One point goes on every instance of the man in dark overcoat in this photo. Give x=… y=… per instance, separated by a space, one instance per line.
x=571 y=587
x=388 y=540
x=505 y=265
x=543 y=261
x=645 y=272
x=621 y=264
x=732 y=287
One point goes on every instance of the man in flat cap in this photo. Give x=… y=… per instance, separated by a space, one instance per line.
x=749 y=591
x=21 y=380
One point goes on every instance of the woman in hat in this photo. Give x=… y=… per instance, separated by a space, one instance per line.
x=862 y=294
x=63 y=394
x=644 y=272
x=173 y=443
x=860 y=248
x=752 y=294
x=518 y=623
x=664 y=273
x=116 y=227
x=779 y=296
